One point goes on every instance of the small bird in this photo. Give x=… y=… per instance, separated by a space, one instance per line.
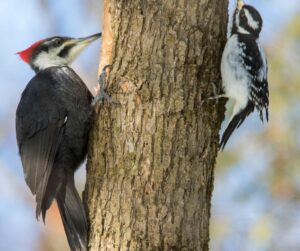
x=52 y=126
x=244 y=69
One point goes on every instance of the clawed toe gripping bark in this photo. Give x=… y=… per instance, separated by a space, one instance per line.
x=102 y=93
x=217 y=94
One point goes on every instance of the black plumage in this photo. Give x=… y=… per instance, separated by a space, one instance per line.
x=256 y=65
x=52 y=126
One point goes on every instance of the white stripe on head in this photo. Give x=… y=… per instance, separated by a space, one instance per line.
x=251 y=22
x=239 y=28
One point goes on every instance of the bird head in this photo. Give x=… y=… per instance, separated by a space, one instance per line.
x=55 y=51
x=247 y=20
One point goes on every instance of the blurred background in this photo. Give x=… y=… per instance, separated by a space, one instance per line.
x=256 y=200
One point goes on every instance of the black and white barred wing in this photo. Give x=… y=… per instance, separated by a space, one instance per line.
x=255 y=64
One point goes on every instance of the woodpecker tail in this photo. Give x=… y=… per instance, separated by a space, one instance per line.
x=72 y=214
x=51 y=187
x=236 y=121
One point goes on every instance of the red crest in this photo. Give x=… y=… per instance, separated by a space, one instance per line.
x=25 y=55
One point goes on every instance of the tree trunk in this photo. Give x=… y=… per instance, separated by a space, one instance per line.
x=151 y=159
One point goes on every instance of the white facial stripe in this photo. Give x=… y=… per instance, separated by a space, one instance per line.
x=239 y=28
x=52 y=58
x=242 y=30
x=251 y=22
x=45 y=60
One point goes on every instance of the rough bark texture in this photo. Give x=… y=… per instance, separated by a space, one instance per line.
x=151 y=159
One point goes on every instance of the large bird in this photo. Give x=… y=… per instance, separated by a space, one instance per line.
x=52 y=126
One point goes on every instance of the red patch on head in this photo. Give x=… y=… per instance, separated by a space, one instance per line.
x=25 y=55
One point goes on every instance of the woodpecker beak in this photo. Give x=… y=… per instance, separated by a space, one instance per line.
x=87 y=40
x=77 y=45
x=84 y=41
x=240 y=4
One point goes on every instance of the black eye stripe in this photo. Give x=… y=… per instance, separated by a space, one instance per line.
x=45 y=48
x=64 y=52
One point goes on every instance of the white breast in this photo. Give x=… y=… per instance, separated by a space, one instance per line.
x=234 y=75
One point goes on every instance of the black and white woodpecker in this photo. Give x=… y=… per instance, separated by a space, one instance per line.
x=52 y=126
x=244 y=69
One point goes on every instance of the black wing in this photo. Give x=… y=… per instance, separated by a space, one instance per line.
x=255 y=64
x=40 y=121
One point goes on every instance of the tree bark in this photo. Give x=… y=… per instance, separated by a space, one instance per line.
x=151 y=159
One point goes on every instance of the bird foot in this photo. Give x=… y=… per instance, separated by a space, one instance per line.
x=217 y=97
x=216 y=94
x=102 y=95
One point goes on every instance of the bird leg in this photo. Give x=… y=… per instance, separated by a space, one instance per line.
x=216 y=94
x=217 y=97
x=102 y=95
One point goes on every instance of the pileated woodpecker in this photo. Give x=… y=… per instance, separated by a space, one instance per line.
x=52 y=126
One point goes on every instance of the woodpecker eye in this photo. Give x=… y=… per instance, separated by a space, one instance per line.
x=57 y=42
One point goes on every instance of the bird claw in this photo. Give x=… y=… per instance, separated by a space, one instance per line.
x=216 y=95
x=102 y=93
x=101 y=97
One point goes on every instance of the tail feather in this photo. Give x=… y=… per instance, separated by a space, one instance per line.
x=267 y=114
x=236 y=121
x=54 y=185
x=73 y=215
